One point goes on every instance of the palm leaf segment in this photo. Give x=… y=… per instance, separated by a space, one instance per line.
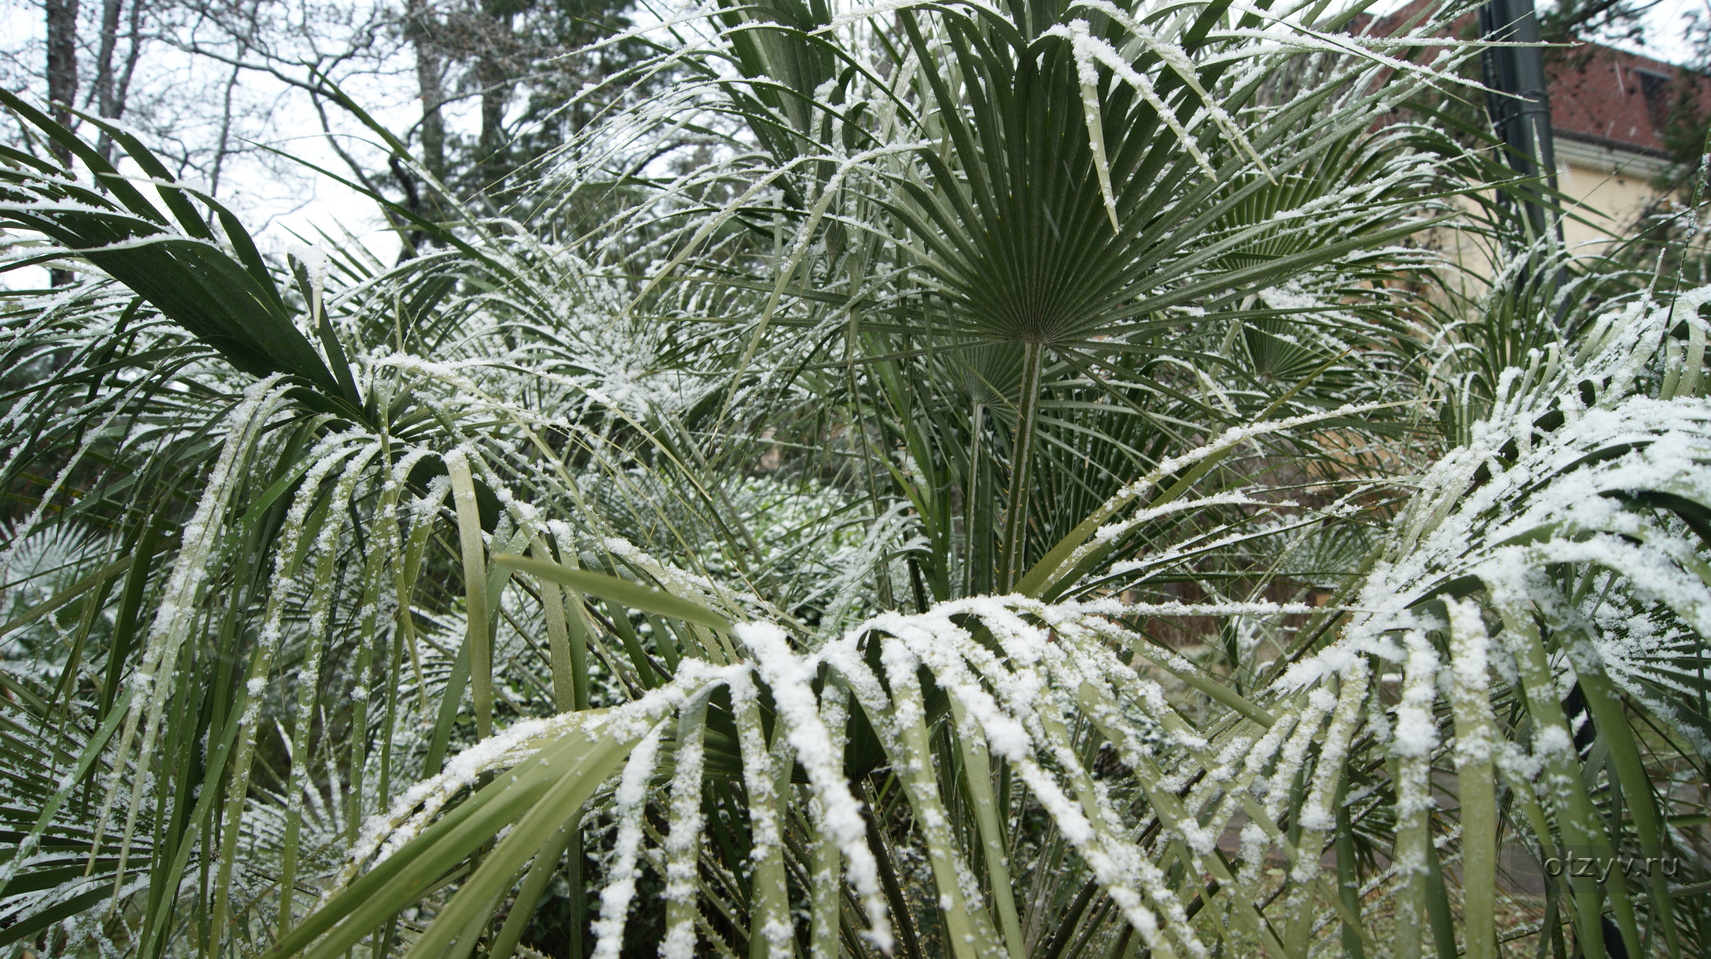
x=1076 y=181
x=1476 y=585
x=1061 y=174
x=170 y=258
x=1519 y=561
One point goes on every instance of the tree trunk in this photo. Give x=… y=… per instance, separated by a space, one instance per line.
x=62 y=84
x=122 y=87
x=497 y=78
x=104 y=79
x=430 y=84
x=62 y=65
x=112 y=78
x=223 y=148
x=224 y=144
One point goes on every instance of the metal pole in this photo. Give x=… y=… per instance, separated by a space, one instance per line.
x=1519 y=105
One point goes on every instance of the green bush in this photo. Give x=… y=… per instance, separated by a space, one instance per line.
x=999 y=483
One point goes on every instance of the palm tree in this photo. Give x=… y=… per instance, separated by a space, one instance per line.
x=995 y=487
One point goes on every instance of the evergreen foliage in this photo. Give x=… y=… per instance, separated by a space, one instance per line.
x=997 y=486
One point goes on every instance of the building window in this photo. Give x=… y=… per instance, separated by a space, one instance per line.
x=1655 y=87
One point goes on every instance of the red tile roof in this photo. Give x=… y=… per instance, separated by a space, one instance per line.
x=1615 y=98
x=1598 y=94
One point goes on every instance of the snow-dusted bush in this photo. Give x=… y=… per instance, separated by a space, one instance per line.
x=987 y=490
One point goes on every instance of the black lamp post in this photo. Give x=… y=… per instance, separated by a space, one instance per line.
x=1520 y=108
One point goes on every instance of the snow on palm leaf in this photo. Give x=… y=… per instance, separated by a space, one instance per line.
x=639 y=589
x=1565 y=547
x=1582 y=463
x=1013 y=680
x=1053 y=665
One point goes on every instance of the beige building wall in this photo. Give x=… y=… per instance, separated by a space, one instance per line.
x=1606 y=192
x=1610 y=189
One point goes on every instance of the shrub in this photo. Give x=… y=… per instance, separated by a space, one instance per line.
x=1000 y=491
